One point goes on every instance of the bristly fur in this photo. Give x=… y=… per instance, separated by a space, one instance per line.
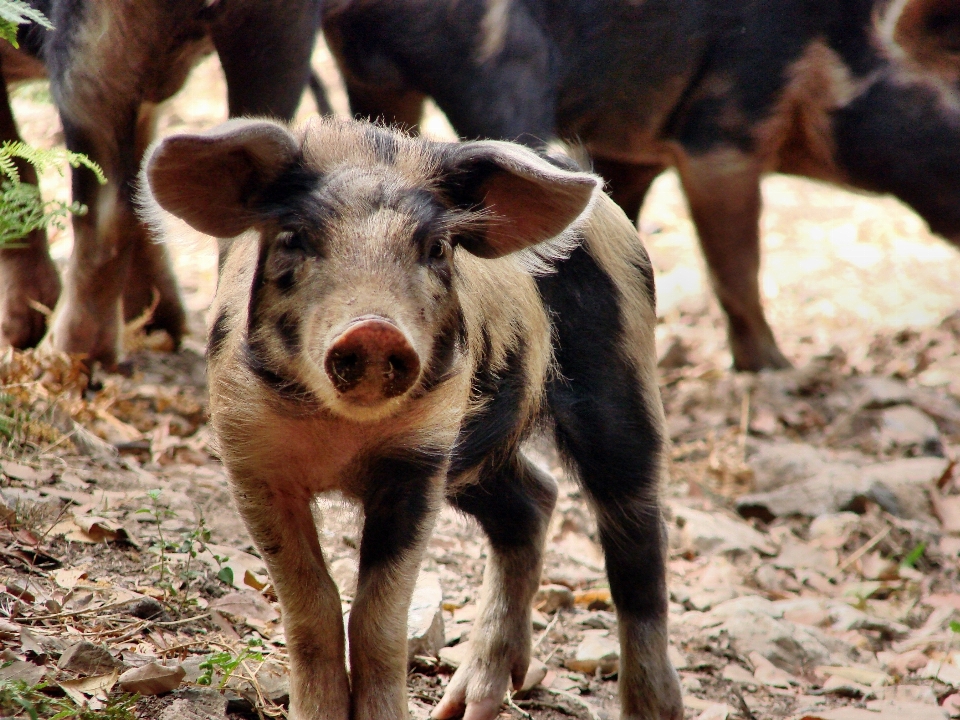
x=526 y=298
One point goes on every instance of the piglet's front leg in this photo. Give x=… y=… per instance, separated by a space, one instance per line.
x=284 y=532
x=400 y=504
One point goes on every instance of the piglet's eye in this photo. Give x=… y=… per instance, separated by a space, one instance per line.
x=437 y=250
x=293 y=241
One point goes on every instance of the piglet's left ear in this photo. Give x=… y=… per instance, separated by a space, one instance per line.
x=528 y=200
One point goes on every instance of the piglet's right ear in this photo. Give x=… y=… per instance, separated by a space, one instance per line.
x=209 y=179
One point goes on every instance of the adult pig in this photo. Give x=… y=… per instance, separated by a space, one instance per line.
x=863 y=93
x=111 y=63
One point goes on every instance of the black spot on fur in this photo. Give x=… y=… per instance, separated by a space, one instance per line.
x=452 y=336
x=288 y=198
x=285 y=388
x=606 y=423
x=288 y=330
x=511 y=502
x=499 y=419
x=397 y=503
x=218 y=334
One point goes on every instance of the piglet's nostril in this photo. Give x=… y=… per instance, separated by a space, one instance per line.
x=372 y=361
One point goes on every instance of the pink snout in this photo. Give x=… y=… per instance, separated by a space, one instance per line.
x=372 y=361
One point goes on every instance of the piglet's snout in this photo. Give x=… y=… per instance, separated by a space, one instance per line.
x=372 y=361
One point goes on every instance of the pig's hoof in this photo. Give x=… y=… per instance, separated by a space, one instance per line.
x=477 y=689
x=25 y=281
x=754 y=358
x=94 y=335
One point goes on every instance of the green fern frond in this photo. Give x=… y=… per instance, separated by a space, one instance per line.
x=14 y=13
x=42 y=159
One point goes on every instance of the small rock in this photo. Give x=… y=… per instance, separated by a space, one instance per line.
x=344 y=573
x=85 y=658
x=152 y=679
x=833 y=525
x=777 y=464
x=882 y=392
x=425 y=633
x=738 y=674
x=951 y=705
x=538 y=620
x=196 y=704
x=536 y=672
x=596 y=650
x=905 y=427
x=903 y=664
x=863 y=676
x=717 y=711
x=708 y=533
x=946 y=673
x=550 y=598
x=452 y=657
x=769 y=674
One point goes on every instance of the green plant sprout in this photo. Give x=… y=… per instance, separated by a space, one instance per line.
x=227 y=663
x=159 y=513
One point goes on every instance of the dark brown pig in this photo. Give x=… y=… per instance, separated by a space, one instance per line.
x=864 y=93
x=394 y=318
x=111 y=64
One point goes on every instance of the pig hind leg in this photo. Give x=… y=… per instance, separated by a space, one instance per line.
x=264 y=48
x=512 y=501
x=627 y=183
x=151 y=285
x=26 y=272
x=723 y=190
x=609 y=428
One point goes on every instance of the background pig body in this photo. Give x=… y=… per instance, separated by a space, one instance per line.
x=347 y=226
x=110 y=65
x=865 y=94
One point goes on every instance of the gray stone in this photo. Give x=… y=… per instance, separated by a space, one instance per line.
x=425 y=620
x=882 y=392
x=905 y=427
x=597 y=650
x=709 y=533
x=196 y=704
x=85 y=658
x=778 y=464
x=550 y=598
x=754 y=624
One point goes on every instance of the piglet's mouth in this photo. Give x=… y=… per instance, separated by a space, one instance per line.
x=371 y=361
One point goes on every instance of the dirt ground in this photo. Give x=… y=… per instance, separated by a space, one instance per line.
x=814 y=514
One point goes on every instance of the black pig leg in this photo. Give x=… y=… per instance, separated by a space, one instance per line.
x=513 y=503
x=26 y=270
x=265 y=48
x=404 y=493
x=627 y=183
x=609 y=425
x=723 y=189
x=150 y=275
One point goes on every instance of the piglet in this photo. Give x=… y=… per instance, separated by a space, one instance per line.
x=395 y=317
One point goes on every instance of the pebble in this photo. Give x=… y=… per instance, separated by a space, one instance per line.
x=425 y=632
x=550 y=598
x=596 y=650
